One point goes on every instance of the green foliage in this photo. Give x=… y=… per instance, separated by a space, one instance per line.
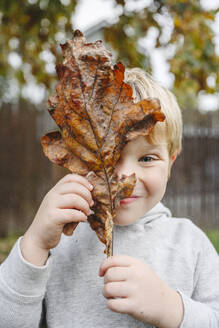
x=6 y=244
x=213 y=235
x=124 y=36
x=195 y=58
x=29 y=28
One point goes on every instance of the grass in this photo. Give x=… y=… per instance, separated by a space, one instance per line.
x=213 y=235
x=7 y=243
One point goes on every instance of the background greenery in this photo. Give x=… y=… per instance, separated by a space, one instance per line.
x=213 y=235
x=29 y=28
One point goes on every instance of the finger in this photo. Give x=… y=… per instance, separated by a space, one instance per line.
x=120 y=305
x=76 y=188
x=74 y=201
x=70 y=215
x=116 y=289
x=115 y=261
x=116 y=274
x=75 y=178
x=69 y=228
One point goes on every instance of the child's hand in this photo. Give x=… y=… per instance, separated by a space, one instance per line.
x=68 y=201
x=132 y=287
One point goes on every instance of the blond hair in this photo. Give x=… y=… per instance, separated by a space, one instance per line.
x=144 y=86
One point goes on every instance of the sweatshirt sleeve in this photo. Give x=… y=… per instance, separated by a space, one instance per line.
x=201 y=310
x=22 y=290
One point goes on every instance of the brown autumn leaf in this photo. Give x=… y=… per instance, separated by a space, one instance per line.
x=96 y=115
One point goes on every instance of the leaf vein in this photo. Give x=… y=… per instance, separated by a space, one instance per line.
x=111 y=116
x=99 y=149
x=95 y=80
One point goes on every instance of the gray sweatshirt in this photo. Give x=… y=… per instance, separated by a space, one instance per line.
x=71 y=290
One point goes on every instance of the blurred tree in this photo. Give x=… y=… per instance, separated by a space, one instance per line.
x=31 y=31
x=191 y=36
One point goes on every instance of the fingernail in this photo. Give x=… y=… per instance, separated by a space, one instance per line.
x=90 y=212
x=91 y=187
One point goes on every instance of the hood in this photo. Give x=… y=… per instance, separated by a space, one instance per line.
x=155 y=213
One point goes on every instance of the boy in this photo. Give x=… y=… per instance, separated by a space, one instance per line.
x=168 y=276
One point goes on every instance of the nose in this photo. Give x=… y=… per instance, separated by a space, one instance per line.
x=124 y=168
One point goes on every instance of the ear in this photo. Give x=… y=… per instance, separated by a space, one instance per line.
x=172 y=160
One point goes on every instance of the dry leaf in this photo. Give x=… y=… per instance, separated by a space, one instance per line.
x=96 y=115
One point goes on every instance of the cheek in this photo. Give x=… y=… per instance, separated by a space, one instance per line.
x=156 y=180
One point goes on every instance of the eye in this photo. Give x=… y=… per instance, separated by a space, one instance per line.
x=146 y=159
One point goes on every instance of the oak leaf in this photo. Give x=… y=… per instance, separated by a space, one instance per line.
x=95 y=112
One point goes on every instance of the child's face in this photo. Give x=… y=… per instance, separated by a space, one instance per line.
x=151 y=164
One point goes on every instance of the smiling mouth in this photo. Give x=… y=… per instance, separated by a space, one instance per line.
x=128 y=200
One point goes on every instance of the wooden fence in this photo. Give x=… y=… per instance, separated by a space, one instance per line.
x=26 y=174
